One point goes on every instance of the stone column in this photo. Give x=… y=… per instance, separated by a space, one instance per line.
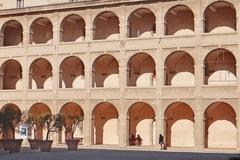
x=238 y=132
x=88 y=27
x=123 y=24
x=122 y=116
x=198 y=126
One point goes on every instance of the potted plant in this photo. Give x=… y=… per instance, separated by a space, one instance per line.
x=52 y=123
x=71 y=123
x=32 y=125
x=10 y=119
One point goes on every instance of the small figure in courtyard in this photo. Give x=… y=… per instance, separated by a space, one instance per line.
x=161 y=141
x=139 y=140
x=132 y=140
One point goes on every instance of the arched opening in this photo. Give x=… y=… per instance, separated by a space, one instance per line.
x=220 y=126
x=40 y=74
x=220 y=17
x=11 y=75
x=105 y=124
x=72 y=111
x=41 y=31
x=105 y=71
x=220 y=68
x=141 y=121
x=141 y=23
x=106 y=26
x=71 y=73
x=179 y=20
x=35 y=113
x=178 y=64
x=141 y=70
x=178 y=117
x=72 y=29
x=12 y=34
x=11 y=114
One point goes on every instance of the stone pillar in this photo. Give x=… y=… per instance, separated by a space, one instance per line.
x=26 y=36
x=87 y=133
x=88 y=27
x=160 y=22
x=123 y=24
x=198 y=126
x=238 y=131
x=123 y=136
x=56 y=29
x=122 y=129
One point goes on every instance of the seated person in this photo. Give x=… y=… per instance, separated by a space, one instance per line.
x=139 y=140
x=132 y=140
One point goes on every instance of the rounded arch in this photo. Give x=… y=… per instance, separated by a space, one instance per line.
x=216 y=115
x=179 y=20
x=13 y=113
x=12 y=74
x=106 y=26
x=105 y=132
x=141 y=120
x=103 y=67
x=12 y=32
x=72 y=28
x=40 y=72
x=220 y=60
x=35 y=112
x=176 y=63
x=220 y=16
x=175 y=114
x=72 y=73
x=141 y=23
x=138 y=65
x=71 y=111
x=41 y=31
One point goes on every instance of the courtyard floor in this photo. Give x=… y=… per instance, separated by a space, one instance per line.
x=100 y=154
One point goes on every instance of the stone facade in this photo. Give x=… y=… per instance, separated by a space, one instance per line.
x=136 y=67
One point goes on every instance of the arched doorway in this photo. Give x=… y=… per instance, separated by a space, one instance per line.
x=11 y=77
x=71 y=73
x=179 y=20
x=72 y=28
x=40 y=74
x=220 y=68
x=220 y=17
x=41 y=31
x=141 y=23
x=179 y=125
x=105 y=124
x=141 y=121
x=35 y=113
x=72 y=112
x=105 y=72
x=141 y=70
x=12 y=32
x=179 y=69
x=220 y=126
x=106 y=26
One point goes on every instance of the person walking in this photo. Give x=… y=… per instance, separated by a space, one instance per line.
x=161 y=141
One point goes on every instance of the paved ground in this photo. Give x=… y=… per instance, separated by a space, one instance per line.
x=95 y=154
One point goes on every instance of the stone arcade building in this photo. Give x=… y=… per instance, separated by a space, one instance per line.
x=128 y=67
